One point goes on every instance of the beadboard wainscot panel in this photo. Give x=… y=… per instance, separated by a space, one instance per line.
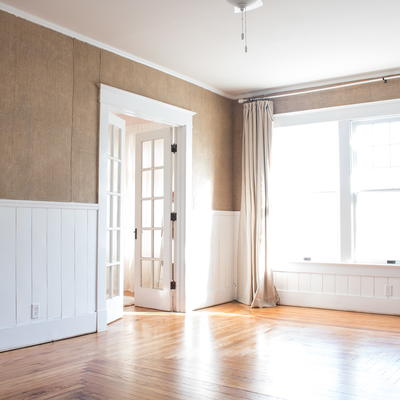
x=214 y=276
x=352 y=287
x=48 y=262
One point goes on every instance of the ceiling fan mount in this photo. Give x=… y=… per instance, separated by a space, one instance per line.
x=242 y=6
x=245 y=5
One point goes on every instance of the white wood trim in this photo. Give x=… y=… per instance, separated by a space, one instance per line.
x=102 y=220
x=225 y=212
x=345 y=194
x=363 y=288
x=183 y=224
x=114 y=100
x=341 y=303
x=46 y=331
x=83 y=38
x=339 y=113
x=143 y=107
x=48 y=204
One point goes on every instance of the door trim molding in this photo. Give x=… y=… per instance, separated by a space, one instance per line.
x=113 y=100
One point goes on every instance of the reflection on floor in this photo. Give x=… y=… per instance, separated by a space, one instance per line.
x=224 y=352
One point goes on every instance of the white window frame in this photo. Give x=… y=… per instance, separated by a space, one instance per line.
x=345 y=115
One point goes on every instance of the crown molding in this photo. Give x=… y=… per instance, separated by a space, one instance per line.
x=65 y=31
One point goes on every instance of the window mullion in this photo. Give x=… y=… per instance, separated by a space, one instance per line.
x=346 y=242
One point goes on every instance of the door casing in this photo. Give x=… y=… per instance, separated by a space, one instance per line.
x=113 y=100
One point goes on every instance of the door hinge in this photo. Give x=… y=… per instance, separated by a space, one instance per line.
x=173 y=285
x=173 y=216
x=174 y=147
x=135 y=233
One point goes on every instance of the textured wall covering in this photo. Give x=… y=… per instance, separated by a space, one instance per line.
x=376 y=91
x=49 y=117
x=237 y=154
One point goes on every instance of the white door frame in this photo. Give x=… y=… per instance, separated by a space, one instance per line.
x=114 y=100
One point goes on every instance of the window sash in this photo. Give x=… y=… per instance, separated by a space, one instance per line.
x=347 y=198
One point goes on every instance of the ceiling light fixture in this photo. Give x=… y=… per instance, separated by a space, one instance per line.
x=242 y=6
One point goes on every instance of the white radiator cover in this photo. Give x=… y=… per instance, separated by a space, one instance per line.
x=49 y=259
x=363 y=288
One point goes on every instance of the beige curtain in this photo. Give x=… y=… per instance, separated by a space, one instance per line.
x=255 y=283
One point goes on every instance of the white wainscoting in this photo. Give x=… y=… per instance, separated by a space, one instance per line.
x=365 y=288
x=213 y=275
x=48 y=258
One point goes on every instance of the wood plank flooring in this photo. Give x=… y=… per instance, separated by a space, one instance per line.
x=224 y=352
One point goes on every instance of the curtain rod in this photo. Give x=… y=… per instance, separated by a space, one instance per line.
x=305 y=91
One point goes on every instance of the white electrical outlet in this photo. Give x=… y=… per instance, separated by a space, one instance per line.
x=34 y=311
x=388 y=290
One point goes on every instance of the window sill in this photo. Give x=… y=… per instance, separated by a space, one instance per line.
x=338 y=264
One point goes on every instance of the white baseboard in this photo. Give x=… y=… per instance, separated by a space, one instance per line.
x=46 y=331
x=342 y=303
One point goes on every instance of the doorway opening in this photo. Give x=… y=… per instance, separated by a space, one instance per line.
x=143 y=185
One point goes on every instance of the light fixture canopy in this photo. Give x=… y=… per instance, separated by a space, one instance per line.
x=248 y=5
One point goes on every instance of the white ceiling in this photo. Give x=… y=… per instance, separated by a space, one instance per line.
x=290 y=42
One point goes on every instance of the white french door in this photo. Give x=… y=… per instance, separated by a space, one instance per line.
x=114 y=270
x=153 y=255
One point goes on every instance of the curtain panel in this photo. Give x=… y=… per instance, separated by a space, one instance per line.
x=255 y=280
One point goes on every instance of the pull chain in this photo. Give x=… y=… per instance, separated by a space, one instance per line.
x=244 y=28
x=242 y=12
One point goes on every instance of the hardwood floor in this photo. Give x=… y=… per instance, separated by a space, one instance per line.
x=224 y=352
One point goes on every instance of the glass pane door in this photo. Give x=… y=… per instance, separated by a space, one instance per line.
x=114 y=281
x=154 y=187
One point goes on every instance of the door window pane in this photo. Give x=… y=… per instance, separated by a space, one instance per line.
x=158 y=213
x=115 y=280
x=147 y=274
x=159 y=182
x=158 y=275
x=146 y=214
x=115 y=218
x=158 y=243
x=109 y=175
x=159 y=153
x=146 y=154
x=116 y=177
x=108 y=247
x=147 y=244
x=115 y=246
x=108 y=282
x=146 y=184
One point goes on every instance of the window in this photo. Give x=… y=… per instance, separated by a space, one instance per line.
x=376 y=189
x=335 y=191
x=305 y=165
